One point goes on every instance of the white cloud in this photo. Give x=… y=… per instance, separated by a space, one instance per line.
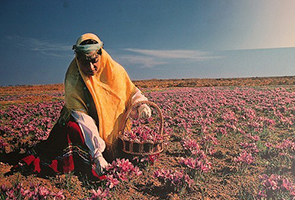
x=148 y=58
x=41 y=46
x=175 y=54
x=143 y=61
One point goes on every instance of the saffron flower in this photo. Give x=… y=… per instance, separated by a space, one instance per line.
x=245 y=157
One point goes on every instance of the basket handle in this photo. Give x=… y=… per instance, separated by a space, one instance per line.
x=127 y=114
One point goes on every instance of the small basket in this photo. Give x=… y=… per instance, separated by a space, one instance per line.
x=143 y=148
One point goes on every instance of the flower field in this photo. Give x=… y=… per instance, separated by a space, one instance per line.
x=223 y=143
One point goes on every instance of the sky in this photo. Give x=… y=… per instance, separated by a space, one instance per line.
x=155 y=39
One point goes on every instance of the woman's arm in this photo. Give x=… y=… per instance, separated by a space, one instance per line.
x=93 y=141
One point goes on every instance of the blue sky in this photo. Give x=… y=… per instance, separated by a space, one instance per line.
x=151 y=39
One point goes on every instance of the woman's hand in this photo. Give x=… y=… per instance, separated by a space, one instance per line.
x=144 y=111
x=100 y=164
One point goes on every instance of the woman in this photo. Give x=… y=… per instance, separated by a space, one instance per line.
x=97 y=93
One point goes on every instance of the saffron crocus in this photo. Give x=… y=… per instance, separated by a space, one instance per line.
x=59 y=195
x=202 y=165
x=191 y=146
x=245 y=157
x=273 y=185
x=111 y=181
x=100 y=193
x=173 y=179
x=120 y=170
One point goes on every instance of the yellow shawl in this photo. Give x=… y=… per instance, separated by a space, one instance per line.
x=110 y=92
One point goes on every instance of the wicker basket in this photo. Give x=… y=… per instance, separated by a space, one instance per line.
x=145 y=147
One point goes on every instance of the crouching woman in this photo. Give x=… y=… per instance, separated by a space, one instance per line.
x=98 y=91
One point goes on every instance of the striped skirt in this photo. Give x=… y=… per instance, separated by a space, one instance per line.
x=64 y=151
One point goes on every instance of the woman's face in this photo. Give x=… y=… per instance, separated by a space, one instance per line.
x=90 y=63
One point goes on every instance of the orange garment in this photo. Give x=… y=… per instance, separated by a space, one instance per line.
x=110 y=89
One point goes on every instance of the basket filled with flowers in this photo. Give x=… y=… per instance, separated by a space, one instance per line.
x=142 y=136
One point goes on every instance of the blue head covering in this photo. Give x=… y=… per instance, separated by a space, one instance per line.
x=87 y=48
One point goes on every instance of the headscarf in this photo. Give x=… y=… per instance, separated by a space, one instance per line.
x=111 y=90
x=88 y=47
